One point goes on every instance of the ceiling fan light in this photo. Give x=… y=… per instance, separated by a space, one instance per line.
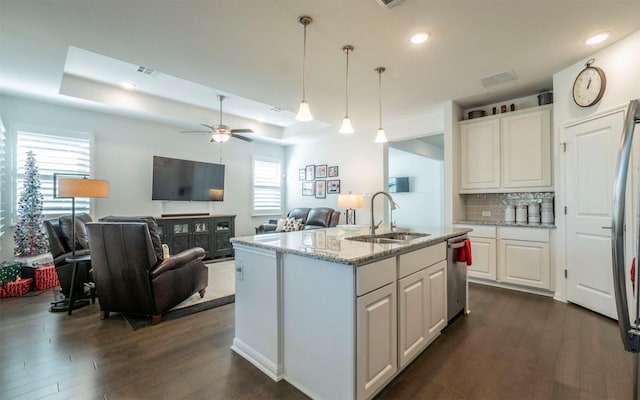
x=380 y=136
x=346 y=127
x=221 y=137
x=304 y=114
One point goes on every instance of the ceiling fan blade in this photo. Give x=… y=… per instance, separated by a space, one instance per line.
x=241 y=130
x=246 y=139
x=207 y=126
x=195 y=132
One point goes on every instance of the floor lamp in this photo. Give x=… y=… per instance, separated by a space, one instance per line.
x=73 y=188
x=350 y=202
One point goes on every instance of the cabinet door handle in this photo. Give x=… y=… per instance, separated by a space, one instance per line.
x=607 y=227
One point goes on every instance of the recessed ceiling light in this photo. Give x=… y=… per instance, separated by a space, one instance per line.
x=128 y=85
x=600 y=37
x=420 y=37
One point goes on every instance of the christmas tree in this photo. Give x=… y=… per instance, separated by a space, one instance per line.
x=29 y=238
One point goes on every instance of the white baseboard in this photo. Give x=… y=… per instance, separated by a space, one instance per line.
x=265 y=365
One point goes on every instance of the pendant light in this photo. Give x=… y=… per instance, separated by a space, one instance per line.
x=304 y=114
x=346 y=127
x=380 y=136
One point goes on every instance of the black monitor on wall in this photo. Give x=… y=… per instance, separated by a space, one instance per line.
x=184 y=180
x=398 y=185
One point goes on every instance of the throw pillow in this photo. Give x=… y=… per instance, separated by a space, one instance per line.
x=280 y=225
x=292 y=224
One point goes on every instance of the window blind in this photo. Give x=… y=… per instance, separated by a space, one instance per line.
x=267 y=187
x=54 y=154
x=3 y=178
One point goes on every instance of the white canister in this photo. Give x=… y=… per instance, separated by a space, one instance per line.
x=547 y=217
x=534 y=213
x=510 y=214
x=547 y=205
x=521 y=214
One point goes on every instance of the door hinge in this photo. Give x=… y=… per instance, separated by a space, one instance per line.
x=565 y=210
x=565 y=274
x=564 y=146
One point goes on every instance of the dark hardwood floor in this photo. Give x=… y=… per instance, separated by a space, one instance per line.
x=512 y=346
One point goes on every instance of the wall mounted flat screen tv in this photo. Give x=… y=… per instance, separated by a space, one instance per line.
x=185 y=180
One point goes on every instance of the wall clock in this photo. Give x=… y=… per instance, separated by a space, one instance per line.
x=589 y=85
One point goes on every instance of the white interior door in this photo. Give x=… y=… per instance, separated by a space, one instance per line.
x=592 y=151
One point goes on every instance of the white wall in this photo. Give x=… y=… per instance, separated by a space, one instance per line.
x=360 y=167
x=123 y=155
x=621 y=63
x=423 y=204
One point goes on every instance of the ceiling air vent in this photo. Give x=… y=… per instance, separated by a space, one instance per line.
x=389 y=3
x=147 y=71
x=496 y=79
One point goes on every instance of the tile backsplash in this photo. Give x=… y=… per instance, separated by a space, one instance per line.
x=495 y=203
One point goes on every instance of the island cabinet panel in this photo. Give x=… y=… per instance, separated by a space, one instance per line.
x=319 y=328
x=377 y=348
x=422 y=300
x=257 y=309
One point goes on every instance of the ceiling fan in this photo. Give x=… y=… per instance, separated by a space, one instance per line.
x=222 y=133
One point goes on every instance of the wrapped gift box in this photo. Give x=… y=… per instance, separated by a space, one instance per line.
x=17 y=288
x=46 y=277
x=9 y=271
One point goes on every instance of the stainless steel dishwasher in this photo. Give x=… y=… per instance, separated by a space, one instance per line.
x=456 y=277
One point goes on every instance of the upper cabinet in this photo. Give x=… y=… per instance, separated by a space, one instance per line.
x=506 y=153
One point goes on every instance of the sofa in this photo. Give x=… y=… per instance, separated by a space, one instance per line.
x=310 y=218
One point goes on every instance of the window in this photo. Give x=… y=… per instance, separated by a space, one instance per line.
x=62 y=154
x=3 y=208
x=267 y=187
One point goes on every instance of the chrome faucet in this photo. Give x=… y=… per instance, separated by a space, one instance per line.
x=393 y=204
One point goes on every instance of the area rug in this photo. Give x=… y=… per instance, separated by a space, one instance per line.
x=220 y=291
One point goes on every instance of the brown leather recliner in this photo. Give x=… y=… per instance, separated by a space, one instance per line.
x=131 y=276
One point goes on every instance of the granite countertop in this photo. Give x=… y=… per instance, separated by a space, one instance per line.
x=502 y=223
x=332 y=245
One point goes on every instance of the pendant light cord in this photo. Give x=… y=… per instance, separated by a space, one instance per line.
x=346 y=85
x=304 y=63
x=380 y=96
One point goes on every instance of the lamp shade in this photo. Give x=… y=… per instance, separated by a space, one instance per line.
x=69 y=187
x=346 y=127
x=380 y=136
x=350 y=200
x=220 y=137
x=304 y=114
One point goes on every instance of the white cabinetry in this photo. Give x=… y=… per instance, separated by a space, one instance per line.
x=523 y=256
x=377 y=344
x=506 y=153
x=422 y=300
x=483 y=249
x=480 y=155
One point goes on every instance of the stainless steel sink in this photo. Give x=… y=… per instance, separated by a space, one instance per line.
x=389 y=238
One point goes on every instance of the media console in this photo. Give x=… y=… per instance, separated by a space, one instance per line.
x=211 y=232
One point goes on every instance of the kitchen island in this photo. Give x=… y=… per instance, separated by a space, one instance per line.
x=338 y=318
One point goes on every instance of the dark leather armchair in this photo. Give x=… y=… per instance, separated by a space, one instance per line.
x=131 y=276
x=312 y=218
x=60 y=242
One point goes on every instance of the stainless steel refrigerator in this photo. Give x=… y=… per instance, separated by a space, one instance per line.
x=628 y=318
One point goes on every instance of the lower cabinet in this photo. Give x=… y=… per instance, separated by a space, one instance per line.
x=524 y=259
x=513 y=255
x=377 y=343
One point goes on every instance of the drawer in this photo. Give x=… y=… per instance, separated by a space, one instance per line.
x=419 y=259
x=530 y=234
x=488 y=231
x=375 y=275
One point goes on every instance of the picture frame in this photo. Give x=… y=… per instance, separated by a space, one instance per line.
x=302 y=174
x=321 y=189
x=321 y=171
x=310 y=173
x=333 y=186
x=308 y=188
x=332 y=171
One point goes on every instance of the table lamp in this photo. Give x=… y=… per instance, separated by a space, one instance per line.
x=350 y=202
